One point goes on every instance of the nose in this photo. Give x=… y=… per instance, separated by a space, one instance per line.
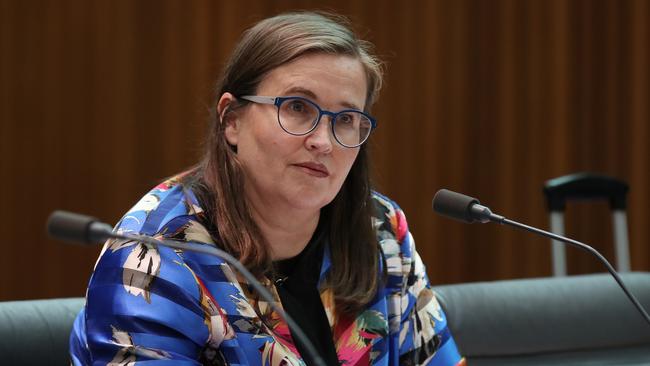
x=320 y=139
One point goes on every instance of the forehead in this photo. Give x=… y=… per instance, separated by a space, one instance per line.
x=336 y=80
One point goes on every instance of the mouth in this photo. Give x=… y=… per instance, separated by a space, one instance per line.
x=314 y=169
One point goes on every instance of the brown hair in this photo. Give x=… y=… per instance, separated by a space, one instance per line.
x=219 y=179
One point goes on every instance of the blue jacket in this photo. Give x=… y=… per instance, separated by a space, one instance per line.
x=159 y=305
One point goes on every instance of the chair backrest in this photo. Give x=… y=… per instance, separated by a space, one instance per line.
x=499 y=320
x=36 y=332
x=546 y=315
x=588 y=186
x=585 y=186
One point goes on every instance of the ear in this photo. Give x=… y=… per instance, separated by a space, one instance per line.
x=229 y=118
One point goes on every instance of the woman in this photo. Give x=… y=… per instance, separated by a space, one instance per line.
x=283 y=187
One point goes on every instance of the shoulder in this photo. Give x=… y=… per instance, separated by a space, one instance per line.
x=388 y=216
x=170 y=209
x=393 y=235
x=136 y=287
x=163 y=302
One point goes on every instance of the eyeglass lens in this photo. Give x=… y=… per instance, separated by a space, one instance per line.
x=299 y=116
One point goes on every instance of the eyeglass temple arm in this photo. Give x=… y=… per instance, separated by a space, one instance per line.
x=259 y=99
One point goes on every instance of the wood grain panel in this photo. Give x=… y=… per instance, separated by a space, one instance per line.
x=100 y=100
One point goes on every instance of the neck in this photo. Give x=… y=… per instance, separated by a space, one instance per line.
x=286 y=230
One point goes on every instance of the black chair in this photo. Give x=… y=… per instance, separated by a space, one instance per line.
x=574 y=320
x=588 y=187
x=36 y=332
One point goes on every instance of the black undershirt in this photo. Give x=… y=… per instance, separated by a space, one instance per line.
x=297 y=284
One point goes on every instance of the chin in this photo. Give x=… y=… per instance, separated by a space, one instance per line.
x=307 y=201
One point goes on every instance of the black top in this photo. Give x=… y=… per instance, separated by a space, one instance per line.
x=296 y=280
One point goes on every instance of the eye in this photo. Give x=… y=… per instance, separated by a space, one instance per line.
x=346 y=119
x=297 y=106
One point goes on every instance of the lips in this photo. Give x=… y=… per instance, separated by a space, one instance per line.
x=314 y=168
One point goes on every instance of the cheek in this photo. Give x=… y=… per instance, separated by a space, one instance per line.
x=353 y=154
x=257 y=138
x=273 y=148
x=264 y=150
x=347 y=159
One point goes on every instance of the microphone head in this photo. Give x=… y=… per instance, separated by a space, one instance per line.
x=72 y=227
x=454 y=205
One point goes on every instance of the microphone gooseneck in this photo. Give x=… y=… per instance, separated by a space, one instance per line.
x=468 y=209
x=72 y=227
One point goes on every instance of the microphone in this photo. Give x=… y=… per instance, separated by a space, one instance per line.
x=468 y=209
x=73 y=227
x=463 y=208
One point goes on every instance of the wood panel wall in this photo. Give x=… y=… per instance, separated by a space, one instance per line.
x=101 y=99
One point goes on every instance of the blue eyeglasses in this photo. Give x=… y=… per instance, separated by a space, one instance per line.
x=299 y=116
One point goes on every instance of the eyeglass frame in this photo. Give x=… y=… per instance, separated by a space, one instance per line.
x=277 y=101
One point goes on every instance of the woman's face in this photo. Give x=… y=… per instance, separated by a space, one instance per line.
x=302 y=172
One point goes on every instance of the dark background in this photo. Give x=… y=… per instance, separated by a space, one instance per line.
x=100 y=100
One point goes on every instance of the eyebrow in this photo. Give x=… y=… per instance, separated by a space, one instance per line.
x=310 y=94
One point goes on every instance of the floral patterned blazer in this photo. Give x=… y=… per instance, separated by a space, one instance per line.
x=148 y=305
